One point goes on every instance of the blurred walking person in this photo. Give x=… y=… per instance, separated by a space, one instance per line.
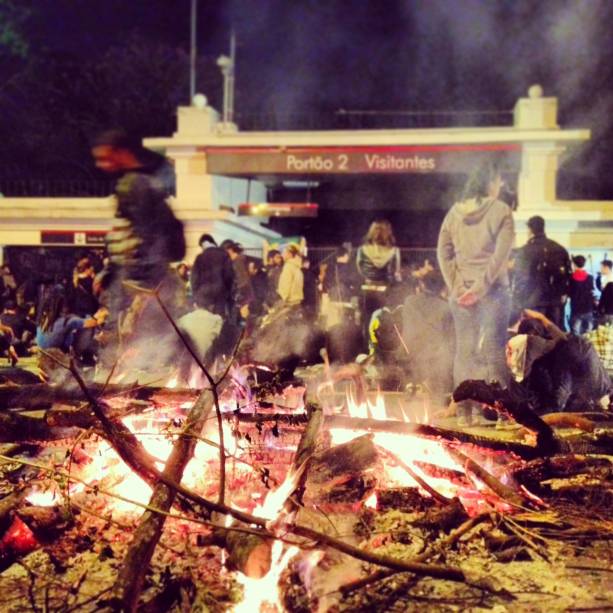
x=473 y=250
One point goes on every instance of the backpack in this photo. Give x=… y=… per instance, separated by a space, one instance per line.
x=553 y=270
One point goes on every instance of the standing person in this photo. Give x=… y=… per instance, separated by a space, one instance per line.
x=259 y=282
x=274 y=265
x=243 y=290
x=473 y=251
x=212 y=277
x=605 y=305
x=378 y=263
x=542 y=273
x=291 y=280
x=581 y=295
x=340 y=281
x=147 y=235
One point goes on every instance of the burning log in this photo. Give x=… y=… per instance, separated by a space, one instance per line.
x=22 y=427
x=251 y=554
x=349 y=458
x=43 y=395
x=500 y=489
x=45 y=522
x=305 y=451
x=431 y=432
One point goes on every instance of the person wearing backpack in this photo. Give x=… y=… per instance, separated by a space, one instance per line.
x=542 y=274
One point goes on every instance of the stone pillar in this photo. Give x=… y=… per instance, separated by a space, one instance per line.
x=539 y=168
x=536 y=187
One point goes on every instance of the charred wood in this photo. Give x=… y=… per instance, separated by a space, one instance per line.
x=349 y=458
x=504 y=402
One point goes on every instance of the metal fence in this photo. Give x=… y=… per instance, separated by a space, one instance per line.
x=411 y=257
x=55 y=188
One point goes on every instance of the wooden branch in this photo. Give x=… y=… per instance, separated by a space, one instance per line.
x=43 y=395
x=449 y=541
x=132 y=573
x=502 y=401
x=500 y=489
x=304 y=454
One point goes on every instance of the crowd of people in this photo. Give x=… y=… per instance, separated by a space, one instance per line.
x=432 y=325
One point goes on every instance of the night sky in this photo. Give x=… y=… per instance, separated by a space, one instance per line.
x=71 y=67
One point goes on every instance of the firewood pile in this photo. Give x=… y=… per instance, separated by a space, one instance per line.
x=253 y=496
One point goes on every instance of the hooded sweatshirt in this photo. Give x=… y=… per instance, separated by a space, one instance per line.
x=474 y=245
x=291 y=282
x=581 y=293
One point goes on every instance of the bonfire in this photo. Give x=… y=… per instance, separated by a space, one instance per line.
x=253 y=494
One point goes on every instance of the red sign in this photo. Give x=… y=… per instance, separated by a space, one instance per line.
x=357 y=160
x=91 y=238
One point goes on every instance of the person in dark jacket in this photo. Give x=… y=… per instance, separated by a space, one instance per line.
x=212 y=277
x=542 y=273
x=340 y=281
x=581 y=295
x=378 y=264
x=605 y=305
x=274 y=266
x=243 y=290
x=554 y=371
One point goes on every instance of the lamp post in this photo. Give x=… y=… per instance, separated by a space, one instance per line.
x=192 y=50
x=226 y=64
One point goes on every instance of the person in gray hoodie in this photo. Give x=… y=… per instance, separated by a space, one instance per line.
x=473 y=250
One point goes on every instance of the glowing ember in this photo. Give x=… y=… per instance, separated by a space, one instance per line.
x=371 y=501
x=48 y=498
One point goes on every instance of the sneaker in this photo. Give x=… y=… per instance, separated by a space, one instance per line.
x=502 y=423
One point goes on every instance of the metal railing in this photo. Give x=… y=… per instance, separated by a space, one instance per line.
x=343 y=119
x=411 y=257
x=55 y=188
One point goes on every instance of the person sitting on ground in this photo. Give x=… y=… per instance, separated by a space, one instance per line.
x=22 y=330
x=581 y=295
x=57 y=326
x=554 y=371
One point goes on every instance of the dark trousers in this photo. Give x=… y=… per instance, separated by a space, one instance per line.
x=553 y=312
x=481 y=335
